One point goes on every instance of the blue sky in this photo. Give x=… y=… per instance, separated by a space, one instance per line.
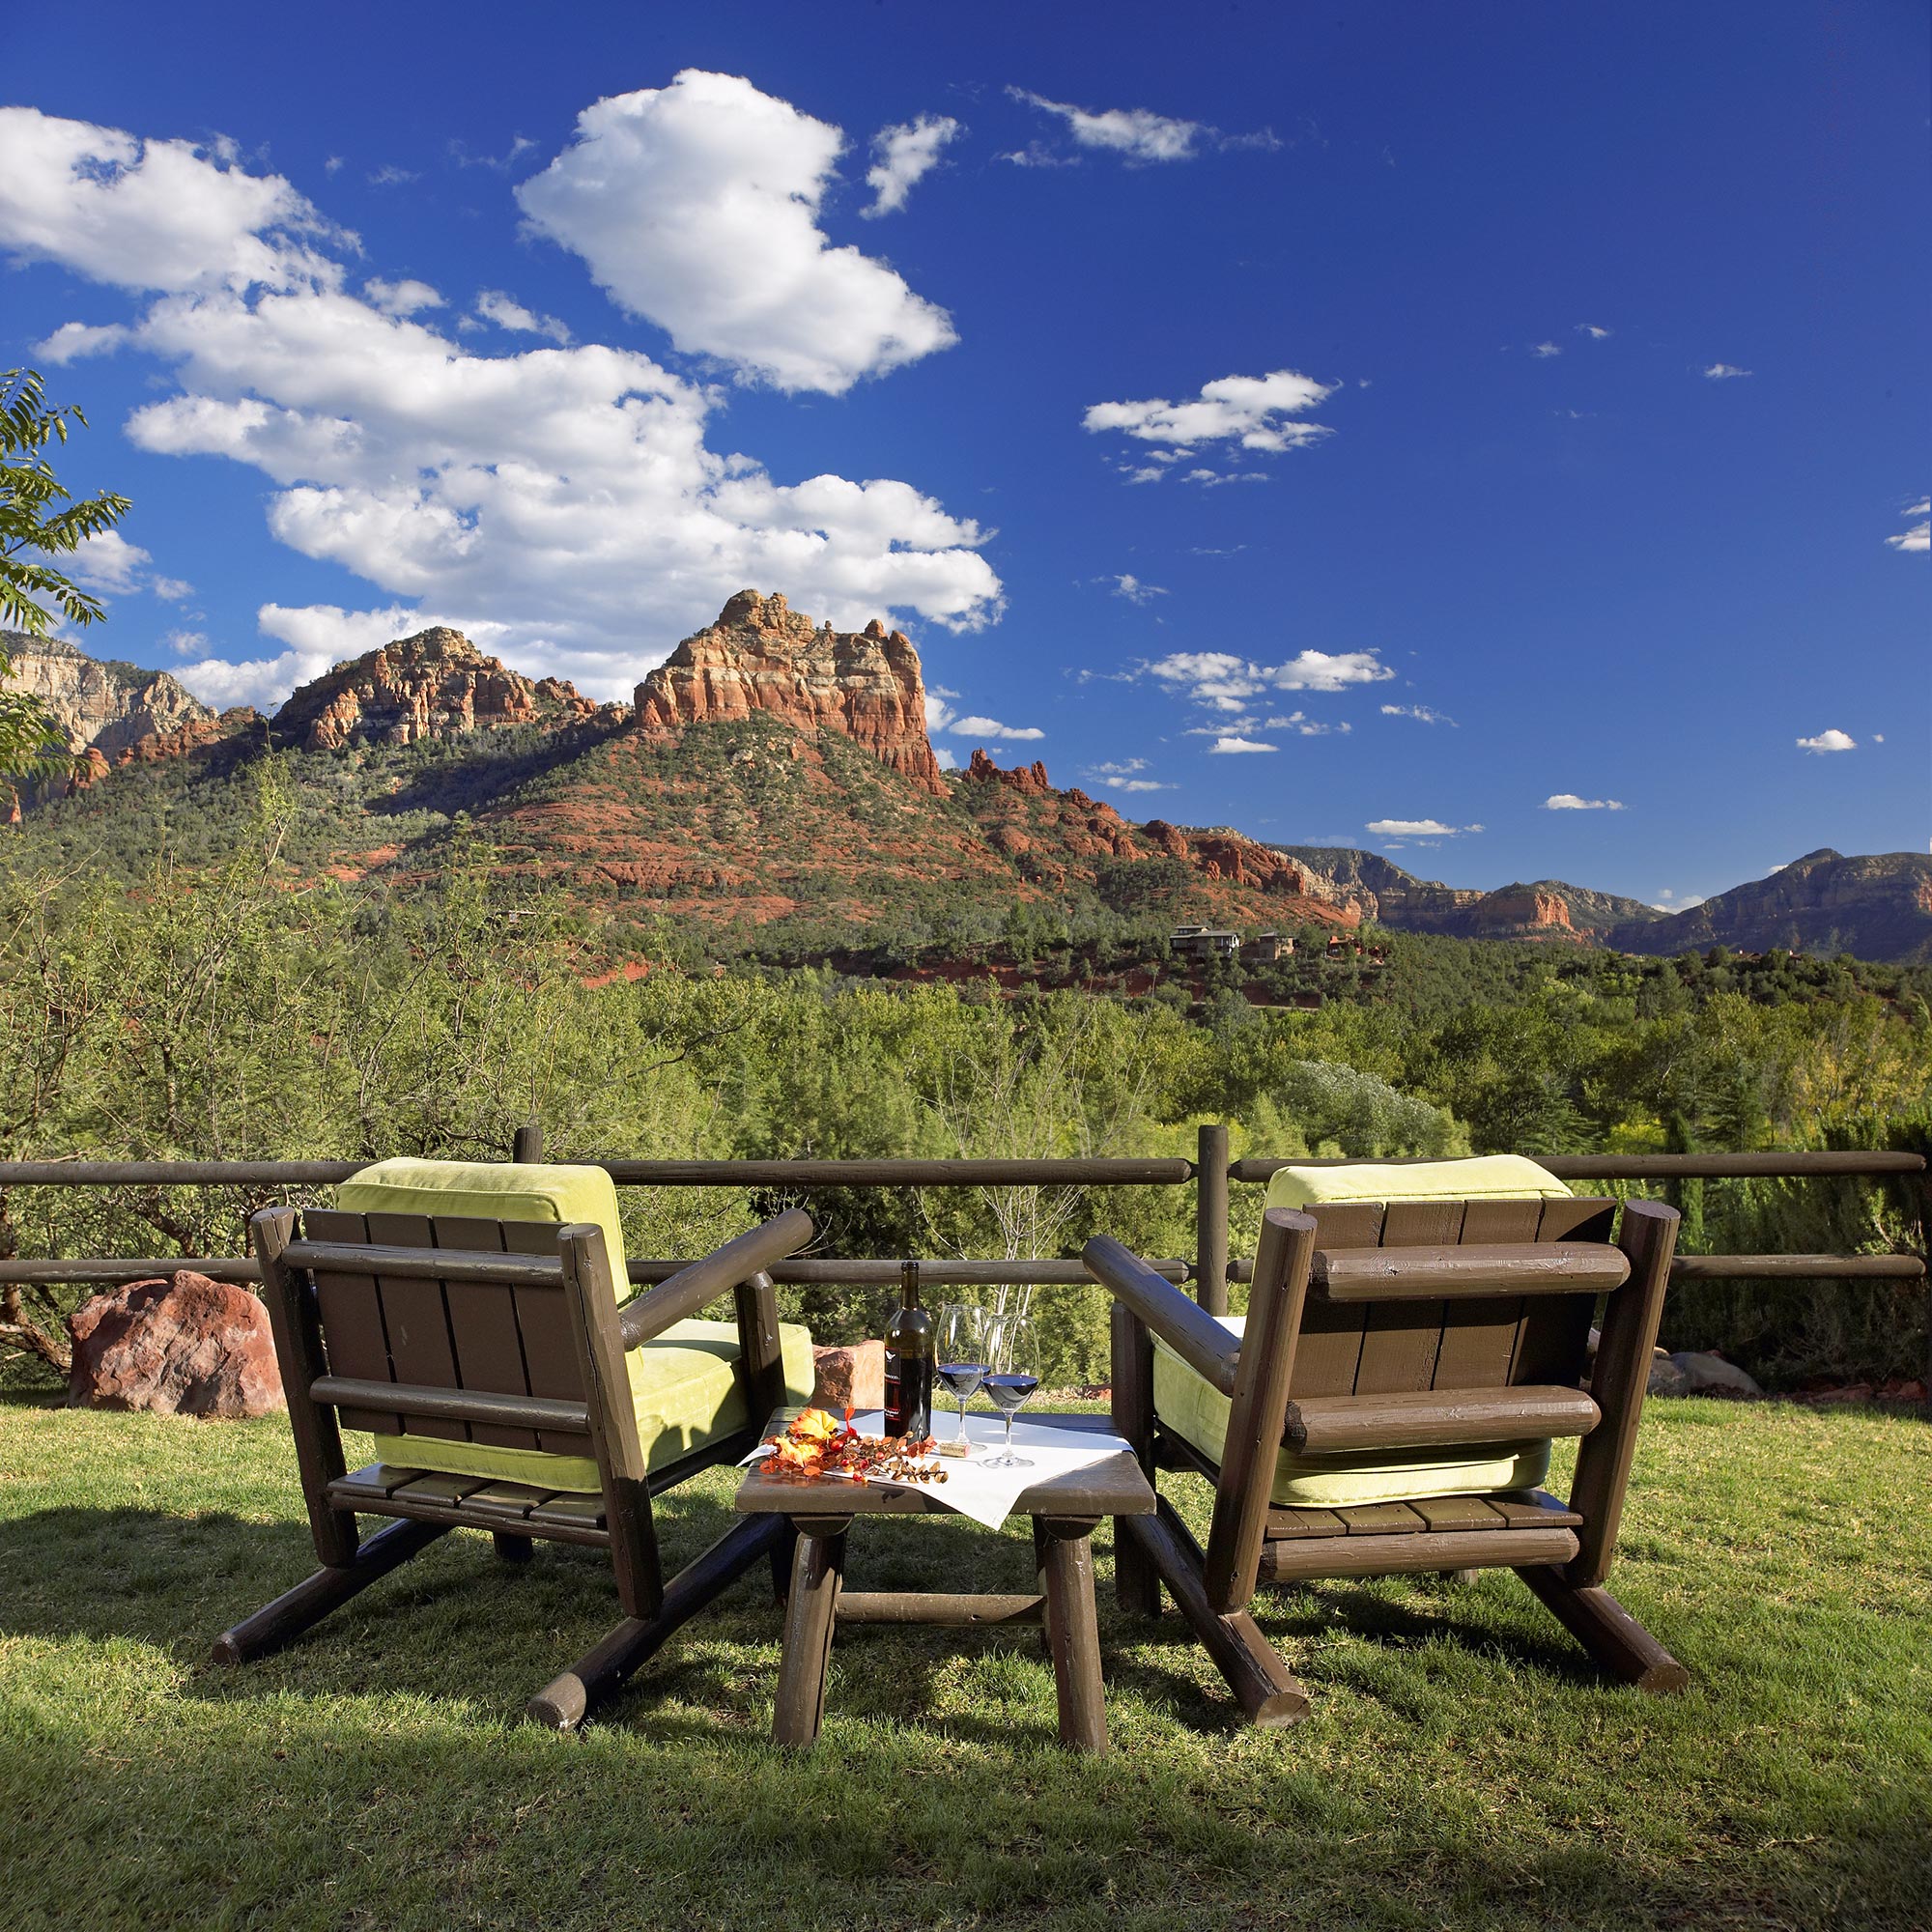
x=1512 y=417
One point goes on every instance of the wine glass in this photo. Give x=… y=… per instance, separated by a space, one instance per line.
x=963 y=1354
x=1014 y=1375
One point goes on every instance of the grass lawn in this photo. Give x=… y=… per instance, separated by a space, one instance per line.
x=1465 y=1766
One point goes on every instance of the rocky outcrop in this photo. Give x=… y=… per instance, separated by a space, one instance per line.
x=101 y=703
x=186 y=1345
x=196 y=735
x=436 y=684
x=762 y=656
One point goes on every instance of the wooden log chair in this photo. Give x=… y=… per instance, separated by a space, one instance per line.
x=467 y=1313
x=1414 y=1338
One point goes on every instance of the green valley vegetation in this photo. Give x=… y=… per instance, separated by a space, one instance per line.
x=248 y=1006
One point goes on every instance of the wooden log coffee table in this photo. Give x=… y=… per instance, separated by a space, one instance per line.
x=1066 y=1508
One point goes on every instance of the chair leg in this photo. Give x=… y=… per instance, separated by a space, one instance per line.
x=782 y=1559
x=563 y=1703
x=1267 y=1690
x=1136 y=1580
x=311 y=1600
x=1607 y=1631
x=810 y=1616
x=511 y=1548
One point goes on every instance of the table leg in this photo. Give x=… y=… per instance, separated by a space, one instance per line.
x=1066 y=1572
x=817 y=1564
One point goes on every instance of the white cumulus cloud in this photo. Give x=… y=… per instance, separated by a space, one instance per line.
x=508 y=313
x=1416 y=828
x=904 y=156
x=1137 y=132
x=1918 y=538
x=697 y=205
x=565 y=502
x=1546 y=350
x=109 y=564
x=72 y=340
x=1248 y=411
x=1828 y=741
x=150 y=215
x=1724 y=372
x=1422 y=714
x=400 y=298
x=1224 y=682
x=1569 y=800
x=1129 y=586
x=1225 y=744
x=1591 y=329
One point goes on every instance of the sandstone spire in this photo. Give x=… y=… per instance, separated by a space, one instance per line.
x=762 y=655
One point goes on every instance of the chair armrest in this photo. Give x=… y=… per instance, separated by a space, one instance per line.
x=1183 y=1324
x=688 y=1291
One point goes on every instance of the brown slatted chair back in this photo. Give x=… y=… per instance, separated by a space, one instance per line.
x=1370 y=1348
x=485 y=1337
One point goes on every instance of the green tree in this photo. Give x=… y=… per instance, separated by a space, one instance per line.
x=38 y=521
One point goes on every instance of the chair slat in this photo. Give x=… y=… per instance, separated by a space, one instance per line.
x=1291 y=1522
x=1442 y=1512
x=483 y=1328
x=1536 y=1512
x=1330 y=1346
x=379 y=1480
x=1380 y=1520
x=1479 y=1338
x=570 y=1511
x=1400 y=1340
x=417 y=1323
x=549 y=1355
x=511 y=1502
x=440 y=1488
x=352 y=1335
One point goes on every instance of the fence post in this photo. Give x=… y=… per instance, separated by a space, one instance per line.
x=1211 y=1218
x=528 y=1146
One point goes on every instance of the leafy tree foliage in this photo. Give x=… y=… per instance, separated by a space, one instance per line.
x=38 y=521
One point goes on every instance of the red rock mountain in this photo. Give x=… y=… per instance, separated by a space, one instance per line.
x=761 y=656
x=776 y=771
x=436 y=684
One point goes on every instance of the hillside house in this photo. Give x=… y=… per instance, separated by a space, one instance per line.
x=1204 y=942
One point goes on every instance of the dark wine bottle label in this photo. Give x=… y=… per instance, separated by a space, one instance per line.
x=908 y=1395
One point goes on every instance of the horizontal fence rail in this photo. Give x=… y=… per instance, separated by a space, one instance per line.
x=641 y=1273
x=1211 y=1270
x=1800 y=1166
x=1071 y=1173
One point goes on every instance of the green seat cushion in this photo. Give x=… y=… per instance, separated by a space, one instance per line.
x=1490 y=1176
x=492 y=1190
x=1198 y=1412
x=685 y=1393
x=684 y=1388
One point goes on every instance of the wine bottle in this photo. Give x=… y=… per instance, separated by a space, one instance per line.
x=909 y=1355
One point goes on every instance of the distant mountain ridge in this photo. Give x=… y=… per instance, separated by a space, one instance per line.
x=775 y=771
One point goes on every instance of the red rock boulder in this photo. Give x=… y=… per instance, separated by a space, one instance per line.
x=183 y=1347
x=854 y=1375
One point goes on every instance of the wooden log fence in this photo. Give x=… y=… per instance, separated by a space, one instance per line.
x=1211 y=1270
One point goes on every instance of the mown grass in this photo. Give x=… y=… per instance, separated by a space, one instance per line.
x=1465 y=1766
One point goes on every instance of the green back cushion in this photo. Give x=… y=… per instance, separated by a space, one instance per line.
x=683 y=1384
x=1199 y=1412
x=1490 y=1176
x=490 y=1190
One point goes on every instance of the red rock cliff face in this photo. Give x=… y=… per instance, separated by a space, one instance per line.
x=762 y=655
x=434 y=685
